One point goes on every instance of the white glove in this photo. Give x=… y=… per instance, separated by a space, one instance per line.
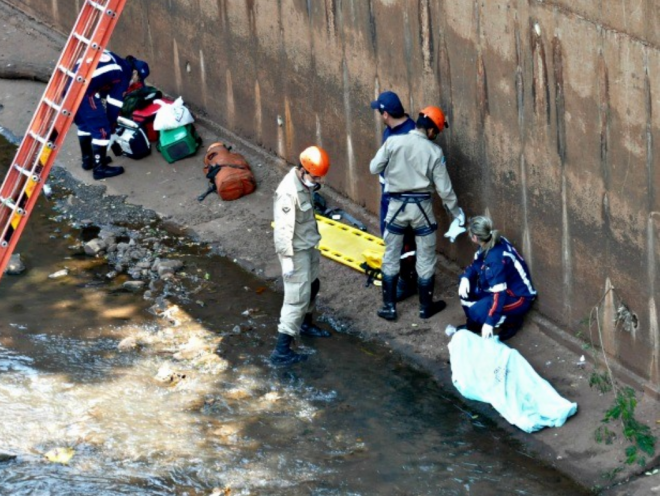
x=454 y=230
x=461 y=217
x=487 y=331
x=464 y=287
x=287 y=267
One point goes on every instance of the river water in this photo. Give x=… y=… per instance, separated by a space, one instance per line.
x=194 y=408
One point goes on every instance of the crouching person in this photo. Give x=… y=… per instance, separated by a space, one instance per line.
x=100 y=107
x=496 y=290
x=296 y=238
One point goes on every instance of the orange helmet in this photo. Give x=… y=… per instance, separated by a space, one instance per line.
x=436 y=115
x=315 y=161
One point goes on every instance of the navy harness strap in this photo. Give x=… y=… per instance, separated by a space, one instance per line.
x=417 y=199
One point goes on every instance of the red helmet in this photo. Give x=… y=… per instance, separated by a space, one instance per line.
x=436 y=115
x=315 y=161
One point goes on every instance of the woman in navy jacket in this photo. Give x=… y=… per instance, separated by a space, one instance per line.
x=496 y=290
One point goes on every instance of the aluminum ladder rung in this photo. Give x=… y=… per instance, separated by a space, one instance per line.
x=8 y=202
x=38 y=138
x=69 y=73
x=86 y=41
x=96 y=5
x=53 y=105
x=24 y=171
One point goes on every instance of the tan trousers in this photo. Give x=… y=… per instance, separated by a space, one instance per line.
x=298 y=291
x=411 y=216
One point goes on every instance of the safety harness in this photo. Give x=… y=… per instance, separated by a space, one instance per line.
x=405 y=199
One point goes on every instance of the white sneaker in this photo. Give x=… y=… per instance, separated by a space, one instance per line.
x=450 y=330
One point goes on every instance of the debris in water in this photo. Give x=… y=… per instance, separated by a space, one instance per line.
x=221 y=492
x=168 y=376
x=47 y=191
x=6 y=457
x=127 y=344
x=60 y=455
x=59 y=273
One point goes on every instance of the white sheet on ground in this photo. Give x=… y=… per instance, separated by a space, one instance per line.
x=488 y=370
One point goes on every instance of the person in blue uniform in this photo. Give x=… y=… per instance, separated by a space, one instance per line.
x=496 y=290
x=397 y=122
x=96 y=118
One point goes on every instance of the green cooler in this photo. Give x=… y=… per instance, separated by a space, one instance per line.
x=178 y=143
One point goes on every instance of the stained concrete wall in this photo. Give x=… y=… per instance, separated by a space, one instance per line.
x=551 y=104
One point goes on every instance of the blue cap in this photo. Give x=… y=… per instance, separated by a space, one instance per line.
x=142 y=68
x=389 y=102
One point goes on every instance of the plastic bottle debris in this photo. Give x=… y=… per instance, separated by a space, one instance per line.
x=59 y=273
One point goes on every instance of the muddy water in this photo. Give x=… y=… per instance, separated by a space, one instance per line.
x=157 y=419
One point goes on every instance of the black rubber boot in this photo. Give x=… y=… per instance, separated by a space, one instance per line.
x=407 y=285
x=470 y=325
x=309 y=329
x=101 y=169
x=86 y=152
x=509 y=328
x=405 y=288
x=388 y=312
x=283 y=354
x=427 y=307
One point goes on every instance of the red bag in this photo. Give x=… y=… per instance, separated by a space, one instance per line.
x=147 y=115
x=229 y=173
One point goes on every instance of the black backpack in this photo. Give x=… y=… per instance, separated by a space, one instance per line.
x=139 y=99
x=131 y=140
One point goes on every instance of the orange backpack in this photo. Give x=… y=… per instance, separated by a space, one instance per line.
x=229 y=173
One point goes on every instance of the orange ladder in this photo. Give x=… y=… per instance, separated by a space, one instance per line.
x=53 y=118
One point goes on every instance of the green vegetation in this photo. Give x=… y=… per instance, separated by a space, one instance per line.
x=642 y=441
x=600 y=381
x=604 y=435
x=634 y=431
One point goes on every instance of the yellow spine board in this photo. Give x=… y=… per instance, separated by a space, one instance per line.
x=347 y=245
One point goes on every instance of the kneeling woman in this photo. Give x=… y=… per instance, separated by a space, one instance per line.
x=496 y=289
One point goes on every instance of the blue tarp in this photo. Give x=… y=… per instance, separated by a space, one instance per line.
x=488 y=370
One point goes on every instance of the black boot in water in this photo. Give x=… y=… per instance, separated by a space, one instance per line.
x=427 y=307
x=309 y=329
x=388 y=311
x=283 y=354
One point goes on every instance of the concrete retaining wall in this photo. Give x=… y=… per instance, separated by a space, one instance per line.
x=551 y=105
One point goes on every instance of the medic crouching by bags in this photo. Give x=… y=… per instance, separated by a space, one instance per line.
x=296 y=237
x=413 y=166
x=96 y=121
